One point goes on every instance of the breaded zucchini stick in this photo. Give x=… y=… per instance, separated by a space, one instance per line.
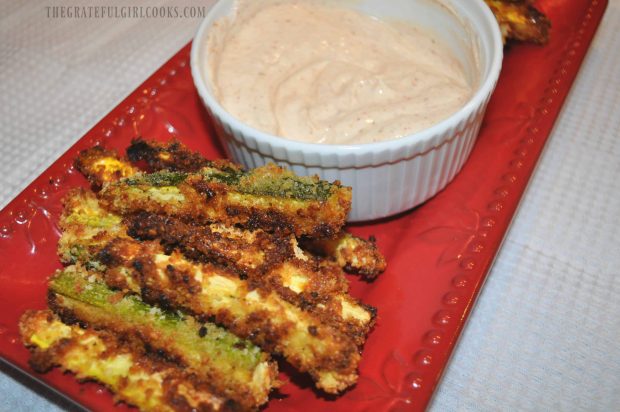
x=258 y=314
x=236 y=368
x=265 y=260
x=354 y=254
x=174 y=156
x=520 y=20
x=244 y=251
x=252 y=254
x=268 y=198
x=149 y=383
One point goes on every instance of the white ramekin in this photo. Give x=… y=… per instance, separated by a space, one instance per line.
x=392 y=176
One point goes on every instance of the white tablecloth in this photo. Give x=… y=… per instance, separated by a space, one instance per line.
x=545 y=334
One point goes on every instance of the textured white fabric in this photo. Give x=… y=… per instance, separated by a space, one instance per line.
x=545 y=332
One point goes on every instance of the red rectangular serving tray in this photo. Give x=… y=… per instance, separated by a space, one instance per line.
x=438 y=254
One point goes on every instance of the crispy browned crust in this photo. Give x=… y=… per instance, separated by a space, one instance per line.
x=265 y=260
x=254 y=255
x=284 y=300
x=313 y=218
x=520 y=20
x=153 y=342
x=245 y=252
x=354 y=254
x=323 y=295
x=209 y=201
x=176 y=381
x=176 y=157
x=167 y=156
x=206 y=202
x=171 y=156
x=101 y=165
x=323 y=349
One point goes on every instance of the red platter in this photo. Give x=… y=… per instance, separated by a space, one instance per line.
x=439 y=254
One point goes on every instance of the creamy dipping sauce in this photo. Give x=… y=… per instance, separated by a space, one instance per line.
x=312 y=72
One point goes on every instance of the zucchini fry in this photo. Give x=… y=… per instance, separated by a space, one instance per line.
x=520 y=20
x=244 y=251
x=270 y=181
x=236 y=368
x=354 y=254
x=258 y=314
x=254 y=254
x=268 y=198
x=124 y=367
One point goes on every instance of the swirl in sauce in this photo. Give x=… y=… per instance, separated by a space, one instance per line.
x=317 y=73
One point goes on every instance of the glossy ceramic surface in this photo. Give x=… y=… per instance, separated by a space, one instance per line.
x=438 y=254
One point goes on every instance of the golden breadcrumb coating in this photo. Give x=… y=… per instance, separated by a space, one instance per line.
x=136 y=378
